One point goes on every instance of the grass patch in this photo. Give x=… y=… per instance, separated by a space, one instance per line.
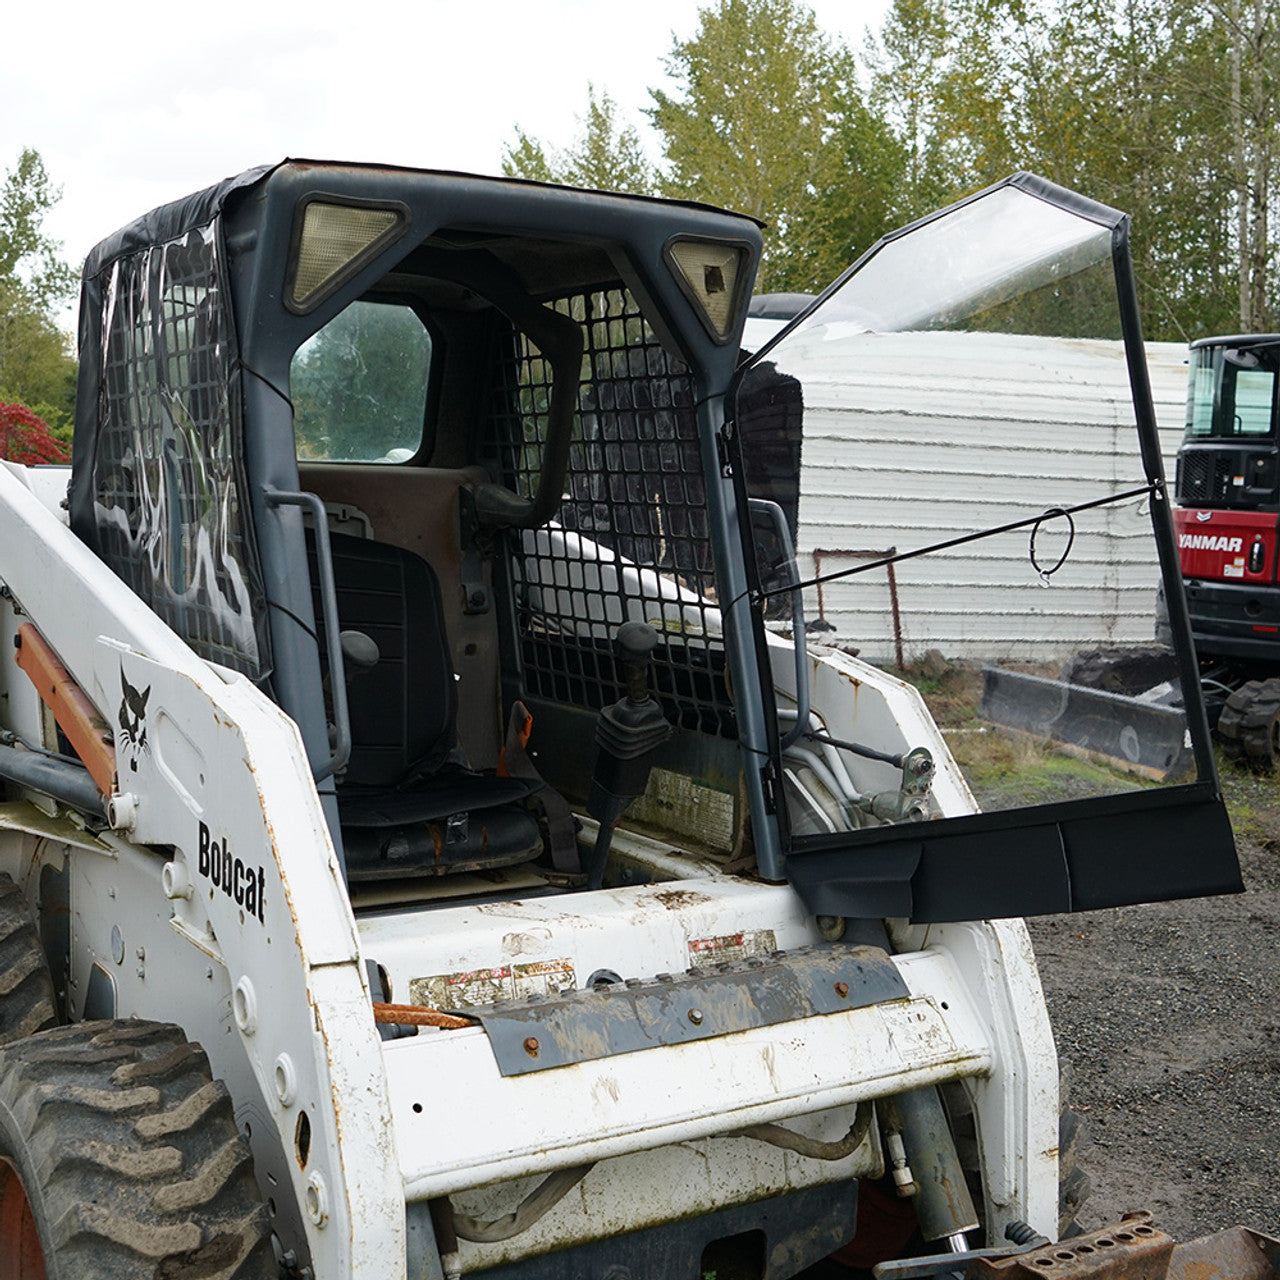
x=1004 y=768
x=1007 y=770
x=1253 y=801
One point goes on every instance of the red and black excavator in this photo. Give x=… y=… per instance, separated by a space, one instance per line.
x=1227 y=517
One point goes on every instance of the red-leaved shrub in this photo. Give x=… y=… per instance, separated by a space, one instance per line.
x=25 y=438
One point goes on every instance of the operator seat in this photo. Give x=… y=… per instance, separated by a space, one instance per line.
x=408 y=803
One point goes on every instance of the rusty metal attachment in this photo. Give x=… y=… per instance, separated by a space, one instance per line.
x=412 y=1015
x=1234 y=1254
x=77 y=717
x=1131 y=1249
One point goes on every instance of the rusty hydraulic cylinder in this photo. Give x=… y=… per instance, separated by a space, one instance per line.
x=77 y=717
x=942 y=1201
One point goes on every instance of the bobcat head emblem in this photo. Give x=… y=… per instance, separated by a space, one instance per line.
x=133 y=715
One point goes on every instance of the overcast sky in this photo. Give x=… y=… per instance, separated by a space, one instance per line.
x=135 y=104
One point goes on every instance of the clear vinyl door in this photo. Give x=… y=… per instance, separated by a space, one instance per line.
x=959 y=438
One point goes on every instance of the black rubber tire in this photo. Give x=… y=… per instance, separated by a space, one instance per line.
x=130 y=1157
x=26 y=989
x=1115 y=669
x=1074 y=1186
x=1249 y=726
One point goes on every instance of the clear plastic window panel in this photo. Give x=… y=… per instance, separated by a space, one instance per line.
x=630 y=542
x=168 y=471
x=359 y=386
x=953 y=442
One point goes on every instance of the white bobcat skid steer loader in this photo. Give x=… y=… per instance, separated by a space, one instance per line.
x=429 y=847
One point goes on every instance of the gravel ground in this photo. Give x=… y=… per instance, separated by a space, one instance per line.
x=1168 y=1018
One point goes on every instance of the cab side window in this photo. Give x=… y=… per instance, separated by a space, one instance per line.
x=359 y=386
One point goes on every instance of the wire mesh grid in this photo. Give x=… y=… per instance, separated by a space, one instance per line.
x=1204 y=477
x=631 y=539
x=168 y=471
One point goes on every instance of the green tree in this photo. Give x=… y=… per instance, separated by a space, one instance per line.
x=606 y=155
x=36 y=366
x=855 y=195
x=27 y=255
x=910 y=62
x=767 y=116
x=1250 y=30
x=1125 y=100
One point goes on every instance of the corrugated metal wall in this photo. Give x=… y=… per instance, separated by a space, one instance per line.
x=902 y=451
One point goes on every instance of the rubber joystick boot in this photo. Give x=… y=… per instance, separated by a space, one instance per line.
x=628 y=732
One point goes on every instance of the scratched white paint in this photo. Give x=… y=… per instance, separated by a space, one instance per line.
x=237 y=766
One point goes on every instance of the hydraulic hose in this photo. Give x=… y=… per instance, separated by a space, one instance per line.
x=814 y=1148
x=543 y=1198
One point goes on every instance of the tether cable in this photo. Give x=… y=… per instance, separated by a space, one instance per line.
x=1030 y=522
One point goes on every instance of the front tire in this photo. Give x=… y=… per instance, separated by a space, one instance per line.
x=126 y=1156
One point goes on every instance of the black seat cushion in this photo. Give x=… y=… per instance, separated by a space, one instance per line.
x=452 y=790
x=406 y=806
x=480 y=840
x=403 y=710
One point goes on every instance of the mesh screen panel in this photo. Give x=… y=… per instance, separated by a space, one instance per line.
x=631 y=541
x=168 y=474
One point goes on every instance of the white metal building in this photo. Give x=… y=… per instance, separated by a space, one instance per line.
x=903 y=449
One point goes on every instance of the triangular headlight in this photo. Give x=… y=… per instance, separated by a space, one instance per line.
x=710 y=273
x=333 y=241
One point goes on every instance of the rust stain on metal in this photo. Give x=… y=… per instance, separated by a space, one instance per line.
x=1131 y=1249
x=412 y=1015
x=1234 y=1254
x=678 y=899
x=77 y=717
x=842 y=989
x=531 y=1047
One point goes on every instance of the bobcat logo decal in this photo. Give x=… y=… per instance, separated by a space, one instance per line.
x=133 y=716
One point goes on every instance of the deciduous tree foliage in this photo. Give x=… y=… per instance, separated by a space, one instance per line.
x=1163 y=108
x=1130 y=101
x=27 y=255
x=768 y=118
x=36 y=366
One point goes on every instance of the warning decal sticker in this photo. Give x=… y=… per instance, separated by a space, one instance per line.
x=471 y=987
x=705 y=952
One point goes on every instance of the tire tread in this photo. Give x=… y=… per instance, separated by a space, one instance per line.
x=26 y=989
x=1248 y=722
x=131 y=1178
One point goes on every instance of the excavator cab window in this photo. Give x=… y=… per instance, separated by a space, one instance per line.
x=1231 y=393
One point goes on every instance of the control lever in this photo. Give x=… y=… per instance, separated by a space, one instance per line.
x=627 y=735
